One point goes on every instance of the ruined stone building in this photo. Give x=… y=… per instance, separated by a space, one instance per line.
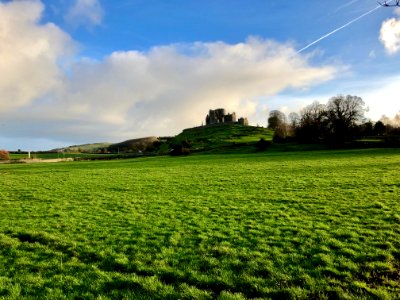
x=243 y=121
x=218 y=116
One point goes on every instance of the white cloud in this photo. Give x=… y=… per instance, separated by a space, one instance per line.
x=390 y=35
x=30 y=54
x=172 y=87
x=382 y=98
x=86 y=13
x=132 y=94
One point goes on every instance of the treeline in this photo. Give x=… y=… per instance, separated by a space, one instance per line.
x=340 y=121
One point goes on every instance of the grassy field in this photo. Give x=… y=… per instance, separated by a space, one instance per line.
x=223 y=138
x=292 y=225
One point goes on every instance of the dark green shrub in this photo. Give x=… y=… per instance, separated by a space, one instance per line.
x=182 y=148
x=262 y=144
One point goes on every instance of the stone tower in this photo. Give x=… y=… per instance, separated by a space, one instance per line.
x=215 y=116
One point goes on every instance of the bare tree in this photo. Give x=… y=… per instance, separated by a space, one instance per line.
x=294 y=119
x=314 y=113
x=344 y=113
x=293 y=123
x=312 y=125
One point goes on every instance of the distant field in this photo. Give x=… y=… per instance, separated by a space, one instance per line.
x=53 y=155
x=289 y=225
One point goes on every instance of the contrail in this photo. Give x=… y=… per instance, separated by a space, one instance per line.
x=340 y=28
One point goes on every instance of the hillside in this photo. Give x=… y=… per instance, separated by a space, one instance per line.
x=89 y=148
x=220 y=138
x=133 y=145
x=223 y=137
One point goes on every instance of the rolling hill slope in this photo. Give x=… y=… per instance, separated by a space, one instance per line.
x=223 y=137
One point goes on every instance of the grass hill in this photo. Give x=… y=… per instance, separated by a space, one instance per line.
x=89 y=148
x=133 y=145
x=223 y=137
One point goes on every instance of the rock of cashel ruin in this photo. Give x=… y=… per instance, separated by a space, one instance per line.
x=219 y=116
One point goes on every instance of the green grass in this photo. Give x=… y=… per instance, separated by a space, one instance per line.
x=293 y=225
x=225 y=137
x=370 y=140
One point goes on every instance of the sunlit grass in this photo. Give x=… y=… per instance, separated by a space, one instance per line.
x=295 y=225
x=223 y=137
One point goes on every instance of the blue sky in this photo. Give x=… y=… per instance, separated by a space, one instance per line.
x=100 y=70
x=139 y=25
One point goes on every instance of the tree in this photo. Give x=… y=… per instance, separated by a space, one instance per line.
x=276 y=119
x=379 y=128
x=366 y=129
x=294 y=122
x=312 y=124
x=344 y=113
x=294 y=119
x=4 y=155
x=277 y=122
